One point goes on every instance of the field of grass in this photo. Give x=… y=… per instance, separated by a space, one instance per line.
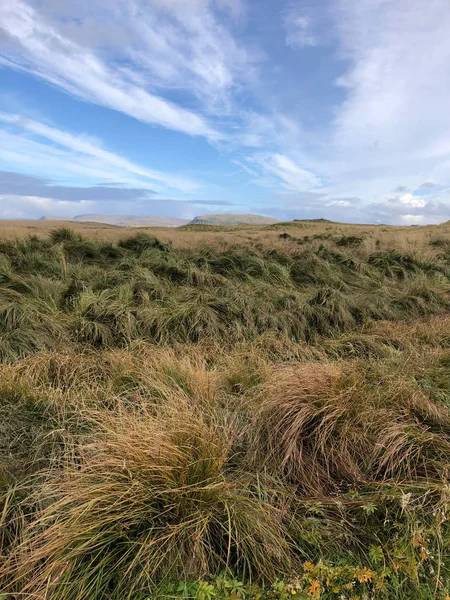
x=245 y=412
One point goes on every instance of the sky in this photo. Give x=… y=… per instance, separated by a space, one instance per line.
x=336 y=109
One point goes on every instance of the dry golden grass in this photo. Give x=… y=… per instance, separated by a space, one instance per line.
x=153 y=463
x=376 y=236
x=328 y=426
x=245 y=404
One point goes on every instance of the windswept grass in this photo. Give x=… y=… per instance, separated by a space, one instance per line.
x=151 y=499
x=333 y=427
x=68 y=290
x=224 y=421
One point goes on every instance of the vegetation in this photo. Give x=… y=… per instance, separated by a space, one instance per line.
x=249 y=417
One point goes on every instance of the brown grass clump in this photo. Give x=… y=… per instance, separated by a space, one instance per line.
x=150 y=497
x=330 y=427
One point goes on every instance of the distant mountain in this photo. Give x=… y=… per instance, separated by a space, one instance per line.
x=124 y=220
x=233 y=220
x=151 y=221
x=313 y=221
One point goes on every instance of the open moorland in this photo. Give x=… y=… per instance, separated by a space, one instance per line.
x=253 y=412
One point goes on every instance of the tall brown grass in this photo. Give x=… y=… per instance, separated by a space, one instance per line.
x=241 y=407
x=332 y=427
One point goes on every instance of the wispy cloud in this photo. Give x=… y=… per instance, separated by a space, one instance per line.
x=38 y=47
x=184 y=45
x=395 y=117
x=26 y=196
x=16 y=184
x=287 y=173
x=31 y=207
x=76 y=152
x=308 y=23
x=154 y=46
x=299 y=27
x=313 y=205
x=377 y=73
x=392 y=123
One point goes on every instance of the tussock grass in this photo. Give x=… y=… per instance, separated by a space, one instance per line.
x=150 y=465
x=151 y=498
x=331 y=427
x=71 y=290
x=254 y=408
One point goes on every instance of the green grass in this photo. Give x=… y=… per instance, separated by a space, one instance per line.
x=216 y=423
x=68 y=290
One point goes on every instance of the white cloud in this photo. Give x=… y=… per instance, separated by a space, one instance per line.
x=412 y=207
x=398 y=209
x=38 y=47
x=393 y=123
x=287 y=172
x=183 y=45
x=313 y=205
x=298 y=29
x=31 y=207
x=338 y=203
x=118 y=55
x=410 y=200
x=307 y=23
x=77 y=155
x=395 y=120
x=390 y=123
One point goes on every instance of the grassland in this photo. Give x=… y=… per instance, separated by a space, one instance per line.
x=244 y=412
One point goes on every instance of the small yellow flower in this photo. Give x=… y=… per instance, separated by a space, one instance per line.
x=293 y=592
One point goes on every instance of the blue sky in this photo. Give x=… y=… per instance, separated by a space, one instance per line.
x=294 y=109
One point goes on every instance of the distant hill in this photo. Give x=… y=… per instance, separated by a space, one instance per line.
x=313 y=221
x=151 y=221
x=227 y=219
x=123 y=220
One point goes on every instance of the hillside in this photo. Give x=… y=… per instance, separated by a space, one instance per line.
x=233 y=220
x=124 y=220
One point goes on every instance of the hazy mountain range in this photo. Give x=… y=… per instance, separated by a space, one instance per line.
x=151 y=221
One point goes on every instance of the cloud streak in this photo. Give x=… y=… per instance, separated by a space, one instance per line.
x=395 y=117
x=37 y=47
x=26 y=196
x=79 y=149
x=32 y=207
